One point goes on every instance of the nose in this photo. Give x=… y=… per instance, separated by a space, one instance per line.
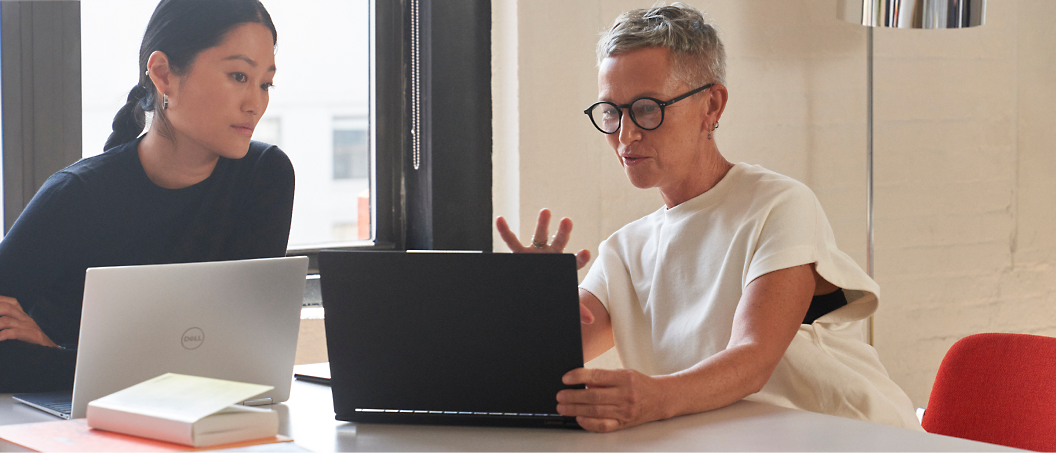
x=255 y=101
x=629 y=131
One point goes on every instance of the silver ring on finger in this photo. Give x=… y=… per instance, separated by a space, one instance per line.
x=538 y=245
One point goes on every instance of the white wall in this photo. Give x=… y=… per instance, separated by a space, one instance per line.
x=963 y=127
x=964 y=188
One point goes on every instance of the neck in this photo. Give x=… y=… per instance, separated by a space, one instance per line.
x=174 y=163
x=709 y=171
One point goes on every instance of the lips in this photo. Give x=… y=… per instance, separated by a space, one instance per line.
x=631 y=159
x=244 y=129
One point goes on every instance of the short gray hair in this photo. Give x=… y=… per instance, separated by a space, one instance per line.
x=698 y=55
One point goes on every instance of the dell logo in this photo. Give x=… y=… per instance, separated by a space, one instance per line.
x=192 y=338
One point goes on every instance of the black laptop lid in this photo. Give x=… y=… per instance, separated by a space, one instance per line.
x=449 y=337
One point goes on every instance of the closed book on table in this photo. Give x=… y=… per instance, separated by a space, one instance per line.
x=75 y=436
x=186 y=410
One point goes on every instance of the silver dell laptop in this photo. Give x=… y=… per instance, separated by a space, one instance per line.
x=234 y=320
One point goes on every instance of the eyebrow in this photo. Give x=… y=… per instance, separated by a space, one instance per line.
x=247 y=60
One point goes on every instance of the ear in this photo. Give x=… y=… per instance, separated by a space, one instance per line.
x=160 y=73
x=716 y=102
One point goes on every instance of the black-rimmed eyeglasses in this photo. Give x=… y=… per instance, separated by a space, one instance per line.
x=647 y=113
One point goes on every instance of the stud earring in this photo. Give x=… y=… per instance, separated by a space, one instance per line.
x=165 y=102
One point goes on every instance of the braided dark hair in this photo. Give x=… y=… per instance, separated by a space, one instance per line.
x=181 y=29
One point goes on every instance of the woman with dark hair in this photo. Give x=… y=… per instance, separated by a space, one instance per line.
x=192 y=188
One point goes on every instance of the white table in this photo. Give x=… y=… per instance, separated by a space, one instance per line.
x=308 y=418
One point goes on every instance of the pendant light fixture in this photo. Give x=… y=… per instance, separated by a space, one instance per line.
x=913 y=13
x=925 y=14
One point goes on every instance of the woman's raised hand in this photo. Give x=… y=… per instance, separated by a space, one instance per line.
x=541 y=245
x=540 y=240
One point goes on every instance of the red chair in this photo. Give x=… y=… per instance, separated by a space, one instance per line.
x=998 y=388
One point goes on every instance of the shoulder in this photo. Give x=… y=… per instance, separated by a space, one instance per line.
x=263 y=165
x=106 y=168
x=263 y=154
x=268 y=161
x=64 y=188
x=762 y=190
x=82 y=185
x=65 y=195
x=91 y=173
x=767 y=183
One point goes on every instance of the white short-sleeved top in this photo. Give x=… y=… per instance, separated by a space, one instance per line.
x=672 y=280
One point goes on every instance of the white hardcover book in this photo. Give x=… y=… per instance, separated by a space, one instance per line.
x=187 y=410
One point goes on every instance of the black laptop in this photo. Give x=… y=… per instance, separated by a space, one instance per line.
x=450 y=338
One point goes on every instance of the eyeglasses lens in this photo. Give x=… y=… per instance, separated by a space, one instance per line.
x=606 y=116
x=647 y=113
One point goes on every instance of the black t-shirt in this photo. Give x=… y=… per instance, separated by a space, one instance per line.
x=105 y=211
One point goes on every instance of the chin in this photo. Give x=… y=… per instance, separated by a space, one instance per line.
x=640 y=181
x=235 y=150
x=640 y=184
x=236 y=155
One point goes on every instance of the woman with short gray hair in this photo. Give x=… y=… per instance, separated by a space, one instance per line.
x=735 y=288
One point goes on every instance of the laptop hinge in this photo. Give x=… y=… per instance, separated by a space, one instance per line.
x=258 y=402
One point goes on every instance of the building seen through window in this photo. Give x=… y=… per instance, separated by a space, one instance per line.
x=351 y=149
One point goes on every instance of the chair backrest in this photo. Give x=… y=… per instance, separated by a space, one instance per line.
x=998 y=388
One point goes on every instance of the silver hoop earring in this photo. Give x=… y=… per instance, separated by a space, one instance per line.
x=165 y=102
x=716 y=126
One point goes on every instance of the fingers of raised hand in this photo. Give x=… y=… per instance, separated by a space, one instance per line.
x=564 y=231
x=507 y=235
x=582 y=258
x=540 y=242
x=542 y=229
